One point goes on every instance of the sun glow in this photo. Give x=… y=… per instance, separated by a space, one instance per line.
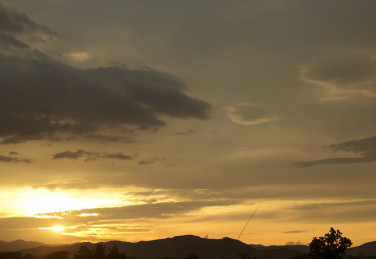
x=58 y=228
x=44 y=201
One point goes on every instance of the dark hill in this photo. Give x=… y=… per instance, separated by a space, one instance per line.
x=182 y=246
x=179 y=246
x=300 y=248
x=18 y=245
x=367 y=249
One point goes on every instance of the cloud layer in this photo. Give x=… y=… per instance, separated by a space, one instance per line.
x=41 y=97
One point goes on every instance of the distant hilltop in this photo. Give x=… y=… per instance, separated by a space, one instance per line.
x=18 y=245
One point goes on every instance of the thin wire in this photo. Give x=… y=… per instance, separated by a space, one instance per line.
x=249 y=220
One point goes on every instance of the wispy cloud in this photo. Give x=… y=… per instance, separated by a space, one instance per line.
x=79 y=55
x=90 y=156
x=14 y=159
x=233 y=114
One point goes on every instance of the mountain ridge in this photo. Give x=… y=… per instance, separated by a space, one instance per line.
x=181 y=246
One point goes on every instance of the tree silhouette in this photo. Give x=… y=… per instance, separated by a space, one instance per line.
x=330 y=246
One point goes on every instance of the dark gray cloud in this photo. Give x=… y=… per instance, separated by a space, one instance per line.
x=116 y=156
x=366 y=148
x=344 y=69
x=68 y=154
x=42 y=98
x=13 y=159
x=187 y=132
x=103 y=137
x=90 y=156
x=14 y=23
x=150 y=161
x=8 y=42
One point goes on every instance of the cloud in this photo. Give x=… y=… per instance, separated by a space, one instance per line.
x=14 y=23
x=25 y=222
x=187 y=132
x=116 y=156
x=295 y=232
x=13 y=159
x=149 y=161
x=343 y=75
x=250 y=116
x=104 y=137
x=365 y=147
x=118 y=219
x=8 y=42
x=43 y=98
x=68 y=154
x=151 y=210
x=346 y=211
x=319 y=206
x=90 y=156
x=292 y=243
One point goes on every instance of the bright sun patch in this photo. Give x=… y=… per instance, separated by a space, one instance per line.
x=42 y=201
x=58 y=228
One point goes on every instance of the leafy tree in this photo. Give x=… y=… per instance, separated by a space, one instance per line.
x=330 y=246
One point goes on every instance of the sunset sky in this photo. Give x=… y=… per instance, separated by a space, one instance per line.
x=138 y=120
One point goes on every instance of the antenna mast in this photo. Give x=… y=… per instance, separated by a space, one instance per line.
x=254 y=212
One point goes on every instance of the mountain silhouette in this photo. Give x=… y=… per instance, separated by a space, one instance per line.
x=179 y=246
x=18 y=245
x=182 y=246
x=367 y=249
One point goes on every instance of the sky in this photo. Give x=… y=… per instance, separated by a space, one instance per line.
x=140 y=120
